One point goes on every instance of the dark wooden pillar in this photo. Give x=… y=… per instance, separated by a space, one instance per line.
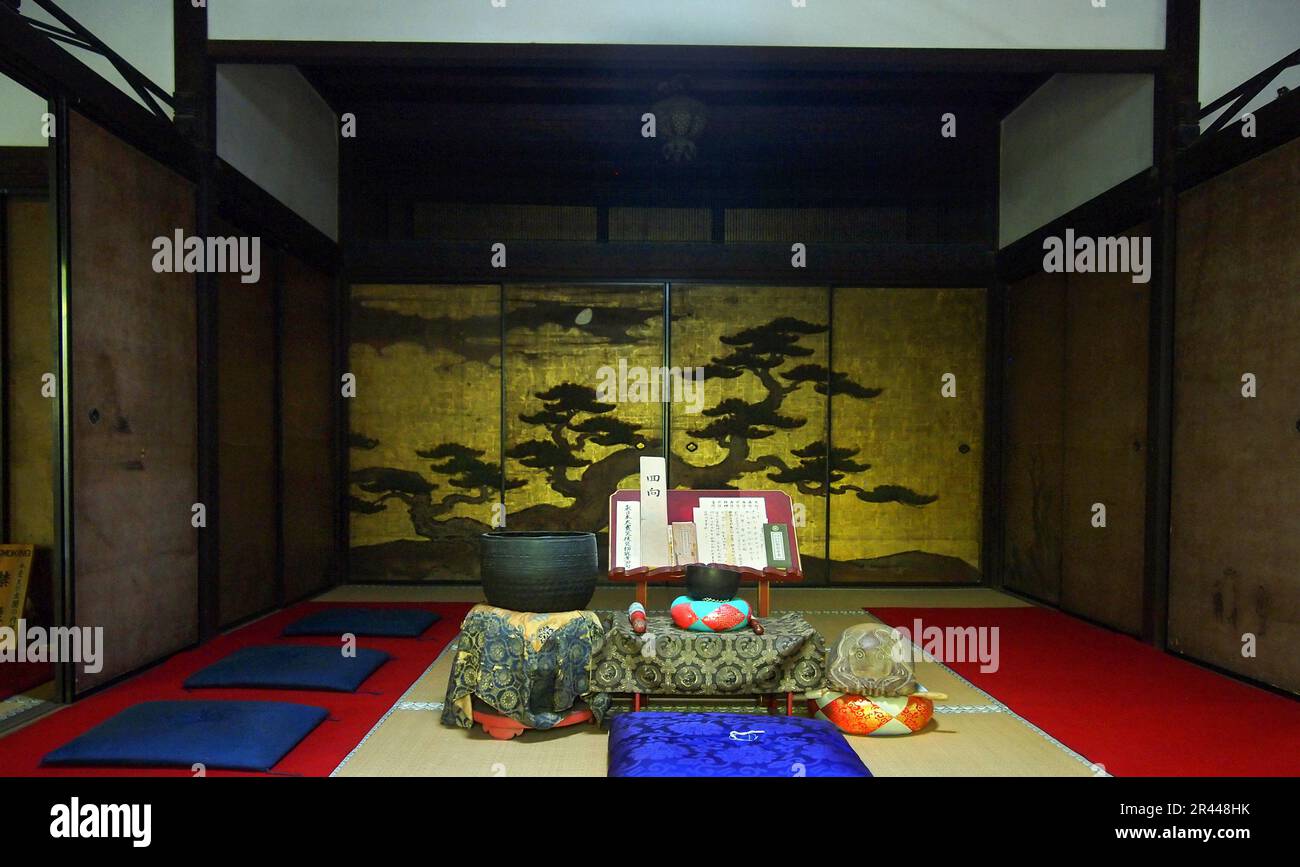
x=1176 y=107
x=196 y=121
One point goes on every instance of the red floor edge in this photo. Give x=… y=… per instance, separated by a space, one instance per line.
x=352 y=715
x=1121 y=703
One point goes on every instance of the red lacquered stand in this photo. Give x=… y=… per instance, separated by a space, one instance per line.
x=503 y=728
x=681 y=505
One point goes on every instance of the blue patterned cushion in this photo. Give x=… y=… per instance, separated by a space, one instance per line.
x=289 y=666
x=383 y=622
x=654 y=744
x=239 y=735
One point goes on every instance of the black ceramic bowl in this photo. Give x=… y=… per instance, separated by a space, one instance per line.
x=538 y=571
x=711 y=582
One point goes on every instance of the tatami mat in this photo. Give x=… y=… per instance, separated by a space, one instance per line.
x=970 y=745
x=975 y=737
x=413 y=743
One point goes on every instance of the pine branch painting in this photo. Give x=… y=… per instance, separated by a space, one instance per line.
x=429 y=470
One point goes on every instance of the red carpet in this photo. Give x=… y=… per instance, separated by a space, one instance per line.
x=1122 y=703
x=352 y=715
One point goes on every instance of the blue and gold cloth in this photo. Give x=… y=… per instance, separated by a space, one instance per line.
x=530 y=667
x=671 y=744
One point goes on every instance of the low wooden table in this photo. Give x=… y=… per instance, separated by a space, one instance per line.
x=788 y=658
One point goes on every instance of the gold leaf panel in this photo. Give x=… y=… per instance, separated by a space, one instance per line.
x=915 y=513
x=425 y=438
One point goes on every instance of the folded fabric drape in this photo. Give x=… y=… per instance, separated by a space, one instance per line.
x=530 y=667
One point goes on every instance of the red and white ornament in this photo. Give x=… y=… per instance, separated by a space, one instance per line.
x=873 y=715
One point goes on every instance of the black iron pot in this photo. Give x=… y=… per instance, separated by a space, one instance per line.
x=538 y=570
x=711 y=582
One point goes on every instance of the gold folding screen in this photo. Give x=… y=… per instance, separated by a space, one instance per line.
x=865 y=405
x=425 y=434
x=763 y=352
x=908 y=430
x=569 y=439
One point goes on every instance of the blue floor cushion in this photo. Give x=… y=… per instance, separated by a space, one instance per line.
x=385 y=622
x=290 y=666
x=233 y=735
x=654 y=744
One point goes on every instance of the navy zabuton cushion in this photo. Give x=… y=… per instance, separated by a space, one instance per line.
x=290 y=666
x=234 y=735
x=385 y=622
x=670 y=744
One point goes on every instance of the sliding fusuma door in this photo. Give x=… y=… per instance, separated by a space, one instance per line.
x=1234 y=598
x=907 y=435
x=307 y=394
x=1033 y=450
x=133 y=405
x=573 y=434
x=424 y=439
x=758 y=419
x=865 y=405
x=246 y=569
x=1075 y=444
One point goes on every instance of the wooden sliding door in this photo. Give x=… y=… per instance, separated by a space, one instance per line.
x=133 y=409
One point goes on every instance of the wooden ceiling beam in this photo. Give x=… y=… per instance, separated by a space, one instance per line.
x=684 y=58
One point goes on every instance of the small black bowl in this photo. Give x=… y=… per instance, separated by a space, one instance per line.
x=712 y=582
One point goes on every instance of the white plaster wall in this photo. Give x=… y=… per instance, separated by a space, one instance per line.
x=274 y=127
x=21 y=114
x=139 y=30
x=1128 y=24
x=1074 y=138
x=1239 y=38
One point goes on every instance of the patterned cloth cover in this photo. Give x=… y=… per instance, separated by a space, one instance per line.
x=659 y=744
x=875 y=715
x=789 y=657
x=530 y=667
x=708 y=615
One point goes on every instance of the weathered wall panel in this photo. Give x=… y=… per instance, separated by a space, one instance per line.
x=308 y=387
x=1034 y=445
x=1076 y=404
x=1236 y=469
x=1105 y=449
x=246 y=573
x=134 y=423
